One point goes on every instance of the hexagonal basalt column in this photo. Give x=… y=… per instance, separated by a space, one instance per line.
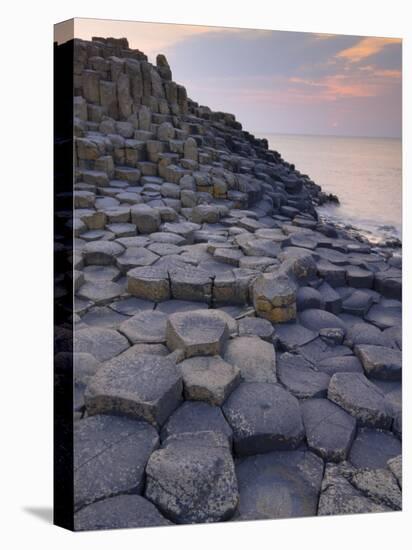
x=201 y=332
x=274 y=298
x=150 y=283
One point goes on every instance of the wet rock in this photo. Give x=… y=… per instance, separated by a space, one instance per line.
x=201 y=332
x=299 y=377
x=255 y=358
x=290 y=336
x=145 y=327
x=360 y=398
x=110 y=455
x=191 y=479
x=102 y=343
x=279 y=485
x=264 y=417
x=144 y=387
x=274 y=298
x=329 y=429
x=380 y=362
x=373 y=448
x=121 y=512
x=209 y=379
x=196 y=416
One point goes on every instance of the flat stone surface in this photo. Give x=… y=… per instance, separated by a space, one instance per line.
x=196 y=416
x=102 y=343
x=289 y=336
x=364 y=333
x=191 y=283
x=131 y=306
x=278 y=485
x=339 y=496
x=149 y=283
x=102 y=292
x=332 y=365
x=373 y=448
x=317 y=350
x=103 y=317
x=253 y=326
x=384 y=317
x=97 y=273
x=192 y=479
x=255 y=358
x=299 y=377
x=201 y=332
x=175 y=306
x=380 y=362
x=135 y=257
x=360 y=398
x=209 y=379
x=121 y=512
x=145 y=387
x=110 y=455
x=264 y=417
x=145 y=327
x=101 y=252
x=316 y=319
x=329 y=429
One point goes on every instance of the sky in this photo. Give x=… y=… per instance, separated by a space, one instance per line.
x=277 y=81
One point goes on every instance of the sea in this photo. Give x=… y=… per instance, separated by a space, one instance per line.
x=365 y=174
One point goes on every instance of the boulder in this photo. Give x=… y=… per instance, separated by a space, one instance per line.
x=191 y=479
x=110 y=456
x=274 y=298
x=144 y=387
x=264 y=417
x=360 y=398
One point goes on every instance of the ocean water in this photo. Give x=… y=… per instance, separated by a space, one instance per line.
x=365 y=173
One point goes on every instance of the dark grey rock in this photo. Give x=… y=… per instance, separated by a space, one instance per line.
x=102 y=343
x=121 y=512
x=278 y=485
x=145 y=327
x=201 y=332
x=131 y=306
x=380 y=485
x=332 y=365
x=308 y=298
x=316 y=319
x=359 y=397
x=339 y=496
x=191 y=479
x=380 y=362
x=331 y=299
x=101 y=252
x=290 y=336
x=365 y=333
x=147 y=387
x=359 y=278
x=373 y=448
x=196 y=416
x=209 y=379
x=253 y=326
x=329 y=429
x=395 y=466
x=263 y=417
x=358 y=303
x=255 y=358
x=110 y=455
x=100 y=292
x=389 y=283
x=384 y=317
x=299 y=377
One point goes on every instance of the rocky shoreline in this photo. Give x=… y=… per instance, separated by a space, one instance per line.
x=236 y=357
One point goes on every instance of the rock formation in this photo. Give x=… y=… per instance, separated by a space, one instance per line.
x=238 y=356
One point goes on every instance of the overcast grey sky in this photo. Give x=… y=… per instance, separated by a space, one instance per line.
x=278 y=81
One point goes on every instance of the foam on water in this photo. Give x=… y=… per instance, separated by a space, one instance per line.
x=365 y=173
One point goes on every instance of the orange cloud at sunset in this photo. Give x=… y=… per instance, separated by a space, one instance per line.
x=366 y=47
